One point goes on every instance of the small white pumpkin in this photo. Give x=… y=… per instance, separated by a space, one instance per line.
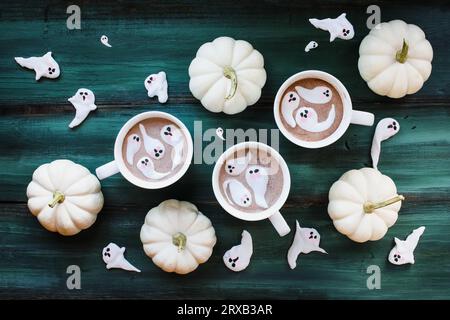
x=227 y=75
x=364 y=204
x=395 y=59
x=177 y=236
x=64 y=196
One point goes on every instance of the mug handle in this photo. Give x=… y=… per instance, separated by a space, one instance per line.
x=279 y=224
x=362 y=118
x=107 y=170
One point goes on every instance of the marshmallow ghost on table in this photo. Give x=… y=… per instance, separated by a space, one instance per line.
x=113 y=256
x=133 y=145
x=146 y=166
x=306 y=240
x=311 y=45
x=308 y=120
x=385 y=129
x=105 y=41
x=219 y=133
x=339 y=27
x=403 y=251
x=317 y=95
x=84 y=102
x=240 y=195
x=257 y=178
x=173 y=137
x=238 y=257
x=235 y=167
x=290 y=102
x=44 y=66
x=156 y=85
x=153 y=146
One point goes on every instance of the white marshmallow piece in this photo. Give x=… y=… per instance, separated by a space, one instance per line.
x=339 y=27
x=240 y=195
x=403 y=251
x=317 y=95
x=105 y=41
x=113 y=256
x=311 y=45
x=156 y=85
x=154 y=147
x=235 y=167
x=173 y=137
x=146 y=166
x=238 y=257
x=133 y=145
x=44 y=66
x=219 y=133
x=257 y=178
x=84 y=102
x=307 y=119
x=306 y=240
x=290 y=102
x=385 y=129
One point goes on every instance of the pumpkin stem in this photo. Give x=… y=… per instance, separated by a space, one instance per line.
x=58 y=197
x=179 y=240
x=402 y=54
x=229 y=73
x=370 y=207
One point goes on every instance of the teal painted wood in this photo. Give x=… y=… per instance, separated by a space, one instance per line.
x=150 y=37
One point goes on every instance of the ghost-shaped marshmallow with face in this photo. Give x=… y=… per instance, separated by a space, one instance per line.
x=44 y=66
x=236 y=166
x=173 y=137
x=134 y=142
x=385 y=129
x=290 y=102
x=403 y=251
x=240 y=195
x=156 y=85
x=84 y=102
x=113 y=256
x=238 y=257
x=146 y=166
x=306 y=240
x=257 y=177
x=339 y=27
x=308 y=120
x=153 y=146
x=317 y=95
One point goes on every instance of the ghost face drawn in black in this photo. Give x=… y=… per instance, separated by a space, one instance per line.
x=51 y=70
x=233 y=261
x=107 y=253
x=158 y=152
x=345 y=32
x=83 y=94
x=393 y=126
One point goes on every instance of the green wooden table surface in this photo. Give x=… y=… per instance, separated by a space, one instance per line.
x=151 y=36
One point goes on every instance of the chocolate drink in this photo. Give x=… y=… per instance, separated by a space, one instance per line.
x=154 y=149
x=311 y=109
x=251 y=180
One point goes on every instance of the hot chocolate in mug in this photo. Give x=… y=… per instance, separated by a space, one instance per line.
x=313 y=109
x=251 y=181
x=152 y=150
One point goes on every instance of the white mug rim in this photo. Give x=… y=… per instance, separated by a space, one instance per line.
x=251 y=216
x=346 y=103
x=126 y=173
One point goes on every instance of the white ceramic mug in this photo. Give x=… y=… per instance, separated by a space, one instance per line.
x=118 y=164
x=349 y=115
x=272 y=212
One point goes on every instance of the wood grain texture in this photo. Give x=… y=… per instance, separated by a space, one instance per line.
x=148 y=37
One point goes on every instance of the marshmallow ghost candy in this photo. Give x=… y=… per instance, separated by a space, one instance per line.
x=290 y=102
x=238 y=257
x=308 y=120
x=239 y=193
x=403 y=251
x=306 y=240
x=133 y=145
x=147 y=168
x=235 y=167
x=173 y=136
x=84 y=102
x=338 y=28
x=317 y=95
x=156 y=85
x=153 y=146
x=44 y=66
x=385 y=129
x=311 y=45
x=257 y=178
x=113 y=257
x=219 y=133
x=104 y=39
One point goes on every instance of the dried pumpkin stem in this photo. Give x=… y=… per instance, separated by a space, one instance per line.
x=370 y=207
x=58 y=197
x=229 y=73
x=179 y=240
x=402 y=54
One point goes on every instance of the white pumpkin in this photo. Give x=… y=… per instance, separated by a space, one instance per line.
x=395 y=59
x=364 y=204
x=177 y=236
x=227 y=75
x=64 y=196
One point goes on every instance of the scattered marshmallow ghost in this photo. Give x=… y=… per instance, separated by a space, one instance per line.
x=385 y=129
x=219 y=133
x=239 y=193
x=338 y=28
x=113 y=256
x=156 y=85
x=307 y=119
x=238 y=257
x=173 y=137
x=311 y=45
x=147 y=168
x=84 y=102
x=317 y=95
x=290 y=102
x=44 y=66
x=133 y=145
x=104 y=39
x=235 y=167
x=257 y=178
x=403 y=251
x=306 y=240
x=153 y=146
